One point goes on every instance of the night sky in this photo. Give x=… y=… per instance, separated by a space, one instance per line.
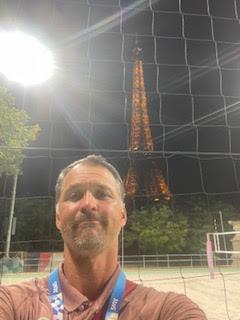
x=191 y=53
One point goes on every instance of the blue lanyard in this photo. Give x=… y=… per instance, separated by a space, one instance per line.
x=56 y=297
x=116 y=298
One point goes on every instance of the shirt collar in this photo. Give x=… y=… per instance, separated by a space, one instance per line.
x=73 y=299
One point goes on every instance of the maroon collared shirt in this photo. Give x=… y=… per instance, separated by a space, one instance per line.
x=30 y=301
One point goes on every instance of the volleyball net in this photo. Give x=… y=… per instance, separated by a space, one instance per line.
x=191 y=66
x=191 y=69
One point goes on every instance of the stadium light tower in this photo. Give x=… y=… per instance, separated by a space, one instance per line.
x=25 y=60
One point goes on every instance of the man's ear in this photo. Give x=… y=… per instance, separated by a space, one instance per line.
x=124 y=215
x=57 y=219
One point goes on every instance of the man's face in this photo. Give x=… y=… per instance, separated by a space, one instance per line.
x=90 y=213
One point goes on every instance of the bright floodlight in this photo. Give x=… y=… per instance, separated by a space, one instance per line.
x=24 y=59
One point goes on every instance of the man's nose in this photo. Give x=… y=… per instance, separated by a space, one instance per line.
x=88 y=201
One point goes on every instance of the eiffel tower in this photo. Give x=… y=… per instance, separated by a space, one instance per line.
x=144 y=181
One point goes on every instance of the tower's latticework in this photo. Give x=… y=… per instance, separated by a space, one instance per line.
x=144 y=178
x=141 y=136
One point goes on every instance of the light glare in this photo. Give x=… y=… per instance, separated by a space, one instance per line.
x=24 y=59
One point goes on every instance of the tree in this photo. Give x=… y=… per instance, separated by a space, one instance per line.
x=203 y=217
x=36 y=226
x=15 y=134
x=156 y=230
x=36 y=230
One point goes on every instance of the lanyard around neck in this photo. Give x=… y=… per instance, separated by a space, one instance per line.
x=56 y=297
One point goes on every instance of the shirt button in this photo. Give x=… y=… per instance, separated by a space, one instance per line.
x=85 y=305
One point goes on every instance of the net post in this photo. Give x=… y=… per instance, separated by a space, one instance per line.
x=210 y=256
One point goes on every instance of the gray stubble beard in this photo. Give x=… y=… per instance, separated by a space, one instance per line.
x=88 y=240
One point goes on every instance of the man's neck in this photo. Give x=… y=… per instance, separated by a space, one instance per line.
x=89 y=274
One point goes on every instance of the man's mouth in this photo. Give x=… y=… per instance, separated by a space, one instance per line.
x=89 y=222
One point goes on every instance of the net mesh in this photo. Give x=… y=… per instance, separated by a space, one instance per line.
x=191 y=63
x=191 y=74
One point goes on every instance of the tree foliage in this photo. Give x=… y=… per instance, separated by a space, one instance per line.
x=156 y=230
x=204 y=217
x=35 y=226
x=15 y=134
x=181 y=228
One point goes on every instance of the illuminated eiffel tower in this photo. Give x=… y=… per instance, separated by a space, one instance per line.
x=144 y=181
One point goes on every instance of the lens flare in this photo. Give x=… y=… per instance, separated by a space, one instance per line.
x=24 y=59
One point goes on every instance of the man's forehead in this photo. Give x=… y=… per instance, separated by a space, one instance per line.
x=89 y=173
x=82 y=185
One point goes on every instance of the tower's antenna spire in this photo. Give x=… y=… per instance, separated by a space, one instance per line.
x=137 y=51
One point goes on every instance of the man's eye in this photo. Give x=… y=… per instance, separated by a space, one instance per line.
x=101 y=194
x=74 y=196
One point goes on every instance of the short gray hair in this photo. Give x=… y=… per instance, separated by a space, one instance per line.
x=94 y=160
